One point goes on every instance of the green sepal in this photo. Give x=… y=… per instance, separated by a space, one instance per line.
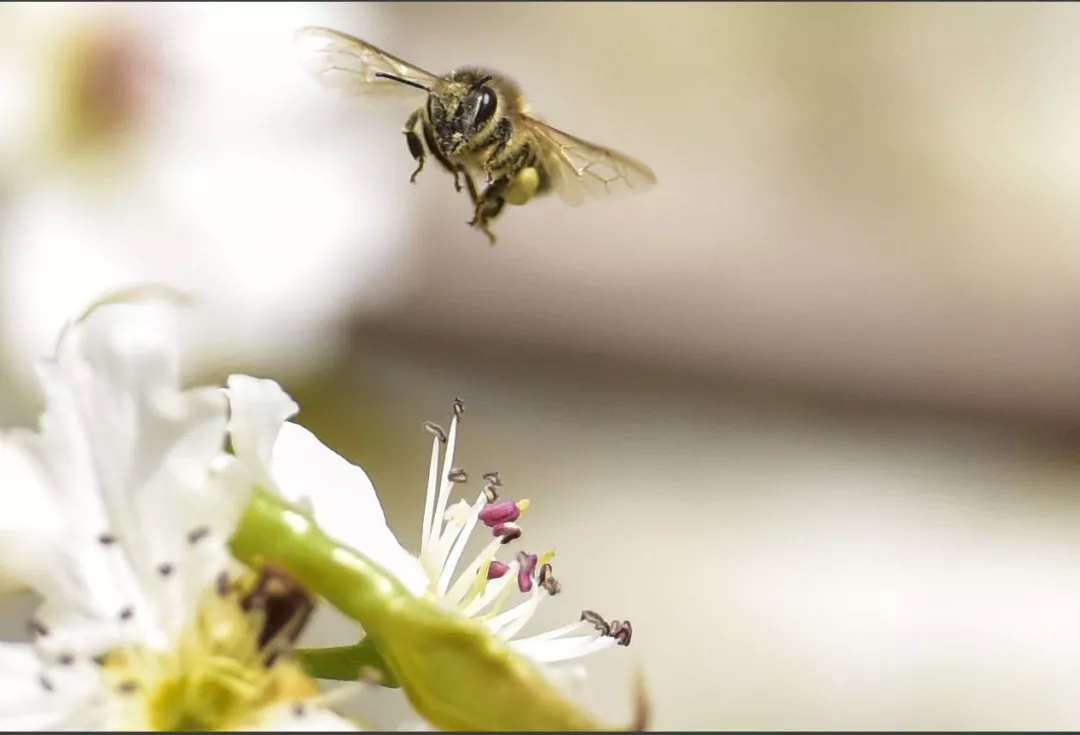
x=347 y=663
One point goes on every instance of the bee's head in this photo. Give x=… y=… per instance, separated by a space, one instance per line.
x=461 y=107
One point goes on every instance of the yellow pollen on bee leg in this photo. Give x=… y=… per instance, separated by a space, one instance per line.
x=523 y=187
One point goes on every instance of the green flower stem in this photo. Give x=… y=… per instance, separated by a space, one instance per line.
x=272 y=530
x=455 y=673
x=346 y=663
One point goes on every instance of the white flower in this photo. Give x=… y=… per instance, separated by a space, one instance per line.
x=111 y=512
x=344 y=503
x=226 y=174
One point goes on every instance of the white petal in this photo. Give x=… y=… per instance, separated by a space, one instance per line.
x=25 y=703
x=123 y=452
x=290 y=718
x=30 y=524
x=343 y=499
x=257 y=410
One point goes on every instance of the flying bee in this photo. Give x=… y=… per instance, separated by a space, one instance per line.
x=478 y=126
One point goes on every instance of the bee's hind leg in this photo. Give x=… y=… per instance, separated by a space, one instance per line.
x=470 y=183
x=488 y=206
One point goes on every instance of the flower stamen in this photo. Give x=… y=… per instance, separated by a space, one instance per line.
x=225 y=667
x=620 y=630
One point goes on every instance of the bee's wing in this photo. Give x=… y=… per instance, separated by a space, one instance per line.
x=340 y=61
x=580 y=169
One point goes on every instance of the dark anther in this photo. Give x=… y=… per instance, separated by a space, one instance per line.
x=286 y=607
x=622 y=632
x=595 y=620
x=457 y=475
x=506 y=533
x=165 y=569
x=459 y=408
x=37 y=627
x=492 y=480
x=106 y=539
x=548 y=581
x=127 y=613
x=198 y=534
x=222 y=584
x=65 y=659
x=99 y=660
x=45 y=683
x=298 y=709
x=127 y=687
x=432 y=428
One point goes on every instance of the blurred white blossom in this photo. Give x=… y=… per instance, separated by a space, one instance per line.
x=182 y=144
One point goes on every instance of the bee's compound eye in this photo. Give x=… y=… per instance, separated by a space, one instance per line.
x=485 y=108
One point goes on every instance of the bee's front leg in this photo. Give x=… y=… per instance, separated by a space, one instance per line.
x=416 y=147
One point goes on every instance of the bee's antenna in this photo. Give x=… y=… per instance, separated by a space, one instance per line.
x=481 y=83
x=403 y=80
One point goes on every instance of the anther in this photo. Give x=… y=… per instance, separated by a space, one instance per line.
x=490 y=493
x=37 y=627
x=496 y=570
x=457 y=475
x=165 y=569
x=622 y=632
x=222 y=584
x=507 y=532
x=548 y=581
x=596 y=620
x=299 y=710
x=493 y=478
x=436 y=430
x=497 y=513
x=198 y=534
x=65 y=659
x=106 y=539
x=127 y=613
x=459 y=408
x=45 y=683
x=527 y=565
x=98 y=660
x=127 y=687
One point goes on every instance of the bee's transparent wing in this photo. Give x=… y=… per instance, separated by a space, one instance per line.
x=580 y=169
x=340 y=61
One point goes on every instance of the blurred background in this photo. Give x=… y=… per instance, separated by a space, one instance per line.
x=806 y=413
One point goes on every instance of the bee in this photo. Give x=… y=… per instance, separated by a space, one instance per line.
x=477 y=125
